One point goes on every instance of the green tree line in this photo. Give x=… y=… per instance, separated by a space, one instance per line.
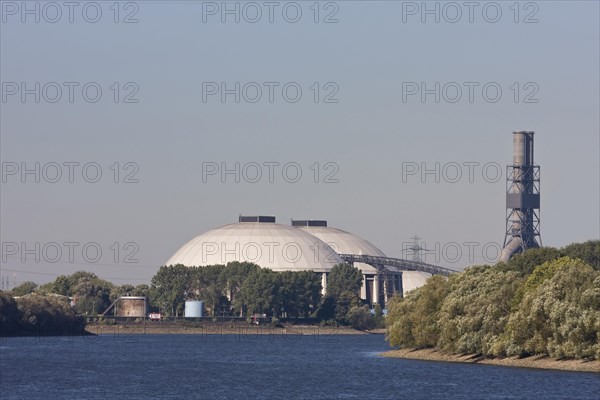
x=235 y=289
x=238 y=288
x=545 y=301
x=36 y=314
x=245 y=289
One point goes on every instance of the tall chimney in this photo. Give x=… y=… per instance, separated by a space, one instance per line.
x=522 y=199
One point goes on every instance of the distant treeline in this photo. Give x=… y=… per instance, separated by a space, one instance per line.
x=545 y=301
x=38 y=315
x=235 y=289
x=245 y=289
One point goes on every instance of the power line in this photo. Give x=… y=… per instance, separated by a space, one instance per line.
x=55 y=274
x=133 y=265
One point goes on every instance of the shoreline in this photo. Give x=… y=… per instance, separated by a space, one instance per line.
x=222 y=329
x=539 y=362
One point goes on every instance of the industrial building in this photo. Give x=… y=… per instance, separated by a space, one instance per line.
x=313 y=245
x=306 y=245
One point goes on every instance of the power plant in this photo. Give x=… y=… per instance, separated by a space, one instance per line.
x=306 y=245
x=522 y=199
x=313 y=245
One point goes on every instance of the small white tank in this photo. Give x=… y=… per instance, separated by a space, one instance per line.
x=194 y=309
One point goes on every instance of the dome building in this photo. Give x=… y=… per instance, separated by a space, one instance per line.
x=258 y=239
x=306 y=245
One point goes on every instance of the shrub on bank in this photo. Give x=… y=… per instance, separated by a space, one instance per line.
x=560 y=316
x=552 y=308
x=361 y=318
x=36 y=314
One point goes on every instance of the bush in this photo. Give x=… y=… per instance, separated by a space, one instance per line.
x=588 y=252
x=330 y=323
x=361 y=318
x=10 y=317
x=412 y=321
x=560 y=316
x=538 y=303
x=47 y=315
x=378 y=317
x=476 y=311
x=525 y=263
x=24 y=288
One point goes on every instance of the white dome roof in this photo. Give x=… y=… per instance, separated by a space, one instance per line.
x=345 y=243
x=270 y=245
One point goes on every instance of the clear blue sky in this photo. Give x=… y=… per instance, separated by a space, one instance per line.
x=369 y=133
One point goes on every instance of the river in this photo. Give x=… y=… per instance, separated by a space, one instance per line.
x=259 y=367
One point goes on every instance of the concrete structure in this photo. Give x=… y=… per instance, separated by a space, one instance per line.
x=522 y=199
x=194 y=309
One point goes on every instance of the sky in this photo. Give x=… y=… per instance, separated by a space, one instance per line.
x=128 y=128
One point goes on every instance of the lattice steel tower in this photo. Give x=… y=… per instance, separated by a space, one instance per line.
x=522 y=198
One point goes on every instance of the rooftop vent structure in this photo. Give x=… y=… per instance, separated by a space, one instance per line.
x=257 y=218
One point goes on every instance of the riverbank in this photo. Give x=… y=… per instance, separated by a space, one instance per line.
x=542 y=362
x=171 y=328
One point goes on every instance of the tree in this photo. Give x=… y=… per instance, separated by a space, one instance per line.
x=560 y=314
x=9 y=316
x=235 y=274
x=475 y=312
x=310 y=290
x=123 y=290
x=342 y=293
x=24 y=288
x=260 y=292
x=74 y=279
x=47 y=315
x=413 y=321
x=326 y=309
x=361 y=318
x=288 y=293
x=169 y=287
x=141 y=290
x=588 y=252
x=299 y=292
x=344 y=278
x=208 y=284
x=401 y=320
x=525 y=263
x=92 y=296
x=542 y=273
x=343 y=304
x=378 y=317
x=62 y=285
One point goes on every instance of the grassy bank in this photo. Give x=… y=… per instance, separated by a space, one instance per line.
x=542 y=362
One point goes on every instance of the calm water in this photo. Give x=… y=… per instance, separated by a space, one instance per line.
x=259 y=367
